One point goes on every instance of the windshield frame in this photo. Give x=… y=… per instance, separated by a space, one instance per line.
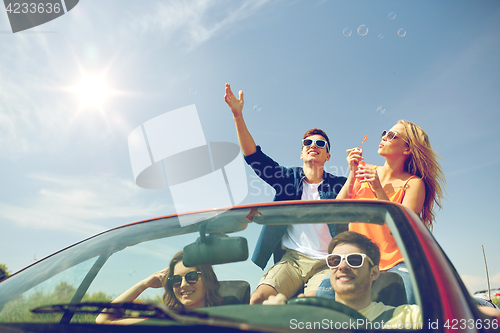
x=400 y=220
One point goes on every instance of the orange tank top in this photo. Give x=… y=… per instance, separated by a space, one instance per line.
x=379 y=234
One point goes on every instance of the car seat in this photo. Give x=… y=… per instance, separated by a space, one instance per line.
x=389 y=289
x=235 y=292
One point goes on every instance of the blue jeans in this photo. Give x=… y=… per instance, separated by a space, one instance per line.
x=325 y=288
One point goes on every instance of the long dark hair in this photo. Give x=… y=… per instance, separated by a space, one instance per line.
x=210 y=284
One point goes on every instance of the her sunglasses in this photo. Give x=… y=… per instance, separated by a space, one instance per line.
x=354 y=260
x=391 y=135
x=318 y=143
x=175 y=281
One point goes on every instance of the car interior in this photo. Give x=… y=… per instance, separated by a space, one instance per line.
x=134 y=252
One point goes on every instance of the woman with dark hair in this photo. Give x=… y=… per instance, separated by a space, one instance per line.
x=411 y=176
x=185 y=288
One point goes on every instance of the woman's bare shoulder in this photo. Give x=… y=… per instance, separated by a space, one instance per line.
x=414 y=182
x=414 y=179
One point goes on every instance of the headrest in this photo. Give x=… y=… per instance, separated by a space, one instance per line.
x=389 y=289
x=235 y=292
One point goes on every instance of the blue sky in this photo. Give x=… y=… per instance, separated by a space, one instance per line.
x=66 y=171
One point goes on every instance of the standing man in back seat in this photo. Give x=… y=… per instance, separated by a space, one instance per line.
x=299 y=250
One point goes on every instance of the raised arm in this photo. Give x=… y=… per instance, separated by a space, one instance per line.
x=245 y=139
x=156 y=280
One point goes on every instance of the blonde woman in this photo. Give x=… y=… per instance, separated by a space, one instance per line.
x=410 y=176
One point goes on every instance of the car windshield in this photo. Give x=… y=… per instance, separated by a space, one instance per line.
x=103 y=267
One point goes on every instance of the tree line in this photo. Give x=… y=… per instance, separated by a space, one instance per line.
x=4 y=272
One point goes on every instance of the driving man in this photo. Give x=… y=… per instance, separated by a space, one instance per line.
x=353 y=262
x=298 y=250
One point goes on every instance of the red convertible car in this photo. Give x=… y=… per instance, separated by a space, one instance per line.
x=66 y=291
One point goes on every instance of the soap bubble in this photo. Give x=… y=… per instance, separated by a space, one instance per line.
x=193 y=91
x=362 y=30
x=401 y=32
x=392 y=15
x=256 y=108
x=347 y=32
x=380 y=36
x=381 y=110
x=132 y=273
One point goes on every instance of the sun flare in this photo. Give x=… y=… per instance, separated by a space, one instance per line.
x=93 y=92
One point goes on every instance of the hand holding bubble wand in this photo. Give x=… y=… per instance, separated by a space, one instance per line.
x=362 y=162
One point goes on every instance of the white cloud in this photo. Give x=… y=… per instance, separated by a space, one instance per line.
x=35 y=117
x=496 y=278
x=197 y=21
x=475 y=283
x=37 y=114
x=81 y=204
x=470 y=169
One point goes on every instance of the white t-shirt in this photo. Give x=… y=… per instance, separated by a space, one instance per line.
x=309 y=239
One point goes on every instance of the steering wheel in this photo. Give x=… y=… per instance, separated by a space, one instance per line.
x=327 y=303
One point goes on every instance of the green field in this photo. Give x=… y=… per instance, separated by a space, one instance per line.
x=19 y=310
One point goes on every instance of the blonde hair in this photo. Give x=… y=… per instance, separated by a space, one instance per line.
x=423 y=163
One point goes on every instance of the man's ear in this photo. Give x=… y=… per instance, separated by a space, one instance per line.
x=374 y=273
x=328 y=156
x=301 y=154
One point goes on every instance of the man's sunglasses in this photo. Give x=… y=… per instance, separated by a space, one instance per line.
x=175 y=281
x=318 y=143
x=391 y=135
x=354 y=260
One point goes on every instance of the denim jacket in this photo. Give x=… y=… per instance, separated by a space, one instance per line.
x=288 y=185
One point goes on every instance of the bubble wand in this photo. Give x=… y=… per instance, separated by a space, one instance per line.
x=362 y=162
x=364 y=139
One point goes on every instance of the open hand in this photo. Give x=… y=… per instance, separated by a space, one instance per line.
x=235 y=104
x=252 y=213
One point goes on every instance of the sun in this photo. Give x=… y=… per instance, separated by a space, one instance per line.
x=93 y=91
x=92 y=94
